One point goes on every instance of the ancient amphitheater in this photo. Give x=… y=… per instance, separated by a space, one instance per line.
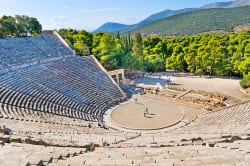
x=61 y=109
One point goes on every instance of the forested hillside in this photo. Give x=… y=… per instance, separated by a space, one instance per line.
x=199 y=21
x=212 y=54
x=201 y=54
x=208 y=54
x=115 y=27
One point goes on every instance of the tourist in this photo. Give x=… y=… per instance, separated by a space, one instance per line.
x=99 y=124
x=89 y=125
x=6 y=131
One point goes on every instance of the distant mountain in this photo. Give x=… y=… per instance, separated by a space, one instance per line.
x=217 y=5
x=231 y=4
x=199 y=21
x=239 y=3
x=114 y=27
x=164 y=14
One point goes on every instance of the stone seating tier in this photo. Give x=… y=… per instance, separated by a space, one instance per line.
x=18 y=51
x=73 y=87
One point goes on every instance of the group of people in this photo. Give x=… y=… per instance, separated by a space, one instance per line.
x=5 y=130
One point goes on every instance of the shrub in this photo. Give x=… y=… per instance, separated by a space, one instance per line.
x=245 y=82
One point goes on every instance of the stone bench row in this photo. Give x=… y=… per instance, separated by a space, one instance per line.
x=21 y=50
x=12 y=99
x=237 y=113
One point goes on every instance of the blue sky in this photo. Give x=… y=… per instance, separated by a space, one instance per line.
x=90 y=14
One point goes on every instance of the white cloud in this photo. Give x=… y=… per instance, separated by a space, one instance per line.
x=55 y=22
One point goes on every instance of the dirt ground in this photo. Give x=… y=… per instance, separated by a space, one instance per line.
x=224 y=86
x=163 y=112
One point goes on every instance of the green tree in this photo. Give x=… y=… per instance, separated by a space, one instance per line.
x=137 y=46
x=18 y=26
x=83 y=42
x=244 y=66
x=245 y=82
x=107 y=49
x=190 y=57
x=33 y=27
x=7 y=25
x=132 y=62
x=67 y=35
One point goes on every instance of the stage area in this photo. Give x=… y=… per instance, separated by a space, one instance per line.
x=162 y=113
